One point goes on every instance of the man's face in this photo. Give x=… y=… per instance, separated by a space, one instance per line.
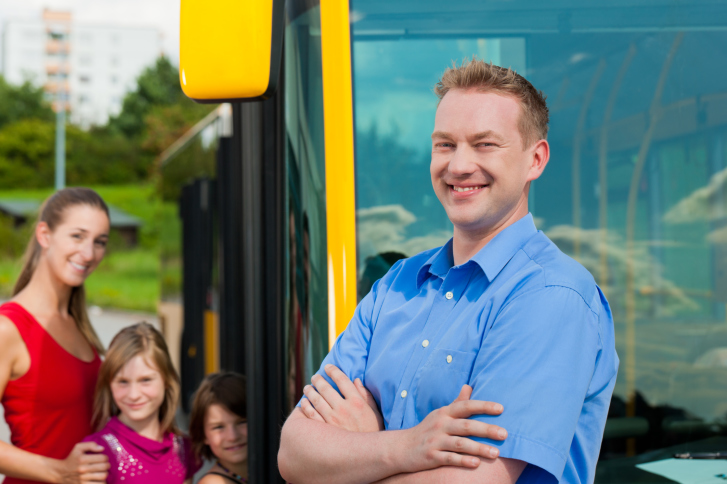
x=479 y=169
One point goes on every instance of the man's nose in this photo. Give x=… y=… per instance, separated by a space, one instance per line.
x=462 y=161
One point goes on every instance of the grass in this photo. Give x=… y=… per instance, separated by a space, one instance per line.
x=126 y=278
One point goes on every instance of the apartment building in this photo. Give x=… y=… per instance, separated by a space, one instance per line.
x=85 y=68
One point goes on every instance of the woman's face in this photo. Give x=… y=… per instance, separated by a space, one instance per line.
x=226 y=434
x=74 y=249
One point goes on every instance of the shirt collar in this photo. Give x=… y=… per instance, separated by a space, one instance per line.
x=492 y=258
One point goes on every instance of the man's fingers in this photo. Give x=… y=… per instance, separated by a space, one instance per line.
x=344 y=383
x=474 y=428
x=465 y=446
x=325 y=390
x=458 y=460
x=464 y=394
x=309 y=411
x=365 y=394
x=467 y=408
x=320 y=404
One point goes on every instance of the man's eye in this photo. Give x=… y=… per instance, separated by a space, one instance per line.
x=101 y=243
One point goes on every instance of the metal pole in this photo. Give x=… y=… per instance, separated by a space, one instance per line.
x=61 y=141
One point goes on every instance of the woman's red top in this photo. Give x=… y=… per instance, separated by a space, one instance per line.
x=49 y=408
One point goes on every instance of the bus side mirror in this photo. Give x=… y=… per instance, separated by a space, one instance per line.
x=230 y=50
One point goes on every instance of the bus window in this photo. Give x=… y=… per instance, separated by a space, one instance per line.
x=635 y=189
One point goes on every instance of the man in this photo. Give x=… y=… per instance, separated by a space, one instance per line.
x=498 y=311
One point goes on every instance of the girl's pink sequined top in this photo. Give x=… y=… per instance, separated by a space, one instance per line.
x=135 y=459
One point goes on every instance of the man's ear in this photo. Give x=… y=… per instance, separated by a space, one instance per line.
x=42 y=234
x=540 y=154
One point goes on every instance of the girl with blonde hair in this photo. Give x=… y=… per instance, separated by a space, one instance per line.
x=135 y=402
x=49 y=352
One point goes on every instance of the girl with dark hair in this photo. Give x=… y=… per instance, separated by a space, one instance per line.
x=49 y=352
x=218 y=427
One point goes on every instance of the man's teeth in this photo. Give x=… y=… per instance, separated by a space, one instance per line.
x=465 y=189
x=78 y=266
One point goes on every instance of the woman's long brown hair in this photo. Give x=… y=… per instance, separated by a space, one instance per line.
x=52 y=212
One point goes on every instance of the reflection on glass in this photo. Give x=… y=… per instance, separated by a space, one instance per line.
x=307 y=315
x=635 y=189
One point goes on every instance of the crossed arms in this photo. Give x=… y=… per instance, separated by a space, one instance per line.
x=340 y=439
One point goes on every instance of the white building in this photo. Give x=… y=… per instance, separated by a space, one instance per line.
x=95 y=64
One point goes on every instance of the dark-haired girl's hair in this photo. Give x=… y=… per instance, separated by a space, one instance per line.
x=226 y=389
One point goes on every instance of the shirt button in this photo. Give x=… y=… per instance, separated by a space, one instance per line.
x=449 y=295
x=403 y=394
x=425 y=343
x=449 y=358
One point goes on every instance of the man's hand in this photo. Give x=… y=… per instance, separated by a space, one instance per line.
x=438 y=440
x=84 y=464
x=355 y=411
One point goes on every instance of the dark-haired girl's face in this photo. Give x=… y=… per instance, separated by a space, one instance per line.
x=77 y=245
x=226 y=434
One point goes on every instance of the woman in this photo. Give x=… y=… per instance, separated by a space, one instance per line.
x=49 y=352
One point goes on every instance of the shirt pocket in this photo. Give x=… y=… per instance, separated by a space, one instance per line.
x=441 y=379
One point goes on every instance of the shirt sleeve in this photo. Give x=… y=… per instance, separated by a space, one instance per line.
x=537 y=360
x=351 y=350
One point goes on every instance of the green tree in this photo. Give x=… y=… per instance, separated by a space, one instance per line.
x=26 y=154
x=157 y=87
x=22 y=102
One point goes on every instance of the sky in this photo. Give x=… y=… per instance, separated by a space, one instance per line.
x=162 y=14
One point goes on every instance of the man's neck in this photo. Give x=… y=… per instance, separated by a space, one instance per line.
x=465 y=244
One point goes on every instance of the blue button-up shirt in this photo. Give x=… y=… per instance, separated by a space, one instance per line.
x=521 y=322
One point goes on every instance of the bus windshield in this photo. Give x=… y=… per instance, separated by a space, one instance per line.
x=635 y=189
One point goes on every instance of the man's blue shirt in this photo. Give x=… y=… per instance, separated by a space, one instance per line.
x=521 y=322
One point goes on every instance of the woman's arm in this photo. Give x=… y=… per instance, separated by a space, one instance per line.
x=78 y=467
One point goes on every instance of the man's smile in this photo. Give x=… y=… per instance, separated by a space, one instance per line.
x=461 y=191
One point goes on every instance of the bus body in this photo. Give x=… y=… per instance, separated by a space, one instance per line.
x=314 y=192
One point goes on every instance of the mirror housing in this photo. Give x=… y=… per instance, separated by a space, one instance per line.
x=230 y=50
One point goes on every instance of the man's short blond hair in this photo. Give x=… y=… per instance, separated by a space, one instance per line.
x=478 y=74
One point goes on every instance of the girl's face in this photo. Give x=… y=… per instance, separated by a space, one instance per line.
x=77 y=245
x=138 y=390
x=226 y=434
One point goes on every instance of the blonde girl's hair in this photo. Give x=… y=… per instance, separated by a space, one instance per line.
x=140 y=339
x=52 y=212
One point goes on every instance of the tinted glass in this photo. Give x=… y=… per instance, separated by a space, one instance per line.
x=307 y=312
x=635 y=189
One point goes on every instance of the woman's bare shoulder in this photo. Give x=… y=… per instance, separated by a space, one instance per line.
x=9 y=335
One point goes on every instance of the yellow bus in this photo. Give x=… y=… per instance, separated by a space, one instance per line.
x=315 y=180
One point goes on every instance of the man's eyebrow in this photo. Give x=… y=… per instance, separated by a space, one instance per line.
x=487 y=134
x=442 y=134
